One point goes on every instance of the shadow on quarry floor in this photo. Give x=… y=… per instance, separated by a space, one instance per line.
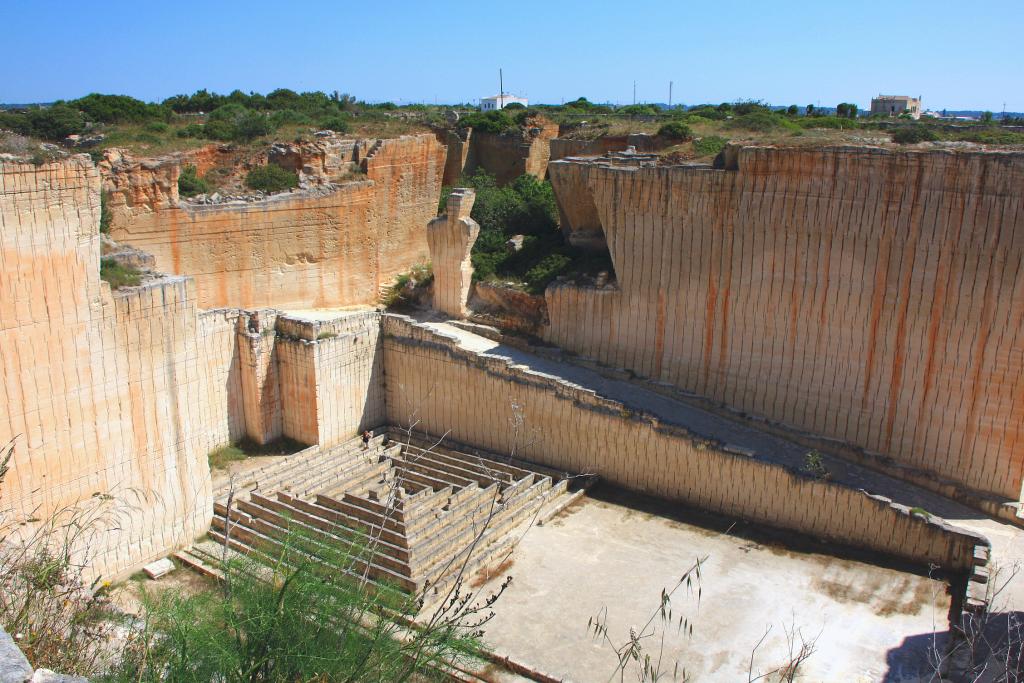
x=775 y=541
x=613 y=553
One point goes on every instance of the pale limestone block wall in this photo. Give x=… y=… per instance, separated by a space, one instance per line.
x=219 y=361
x=318 y=382
x=260 y=380
x=866 y=295
x=110 y=403
x=293 y=250
x=487 y=402
x=450 y=238
x=350 y=379
x=300 y=405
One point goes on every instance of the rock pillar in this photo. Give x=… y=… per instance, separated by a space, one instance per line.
x=450 y=238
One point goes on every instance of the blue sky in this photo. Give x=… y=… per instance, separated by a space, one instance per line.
x=957 y=55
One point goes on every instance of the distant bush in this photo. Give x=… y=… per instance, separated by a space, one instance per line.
x=910 y=135
x=582 y=104
x=846 y=110
x=271 y=179
x=189 y=182
x=118 y=109
x=709 y=145
x=744 y=107
x=49 y=123
x=285 y=117
x=675 y=130
x=761 y=122
x=234 y=122
x=833 y=122
x=338 y=123
x=549 y=267
x=639 y=110
x=706 y=111
x=989 y=136
x=118 y=275
x=488 y=122
x=157 y=127
x=192 y=130
x=515 y=105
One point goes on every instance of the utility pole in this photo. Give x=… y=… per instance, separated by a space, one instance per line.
x=634 y=92
x=501 y=90
x=670 y=94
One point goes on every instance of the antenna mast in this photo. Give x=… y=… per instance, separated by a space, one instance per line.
x=670 y=94
x=501 y=90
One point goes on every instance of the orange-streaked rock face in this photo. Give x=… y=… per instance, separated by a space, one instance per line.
x=298 y=249
x=866 y=295
x=113 y=400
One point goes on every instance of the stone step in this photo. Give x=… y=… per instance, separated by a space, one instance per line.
x=256 y=532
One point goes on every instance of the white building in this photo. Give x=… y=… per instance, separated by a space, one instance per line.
x=496 y=102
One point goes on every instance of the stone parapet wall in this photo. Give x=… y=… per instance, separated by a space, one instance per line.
x=489 y=402
x=866 y=295
x=300 y=249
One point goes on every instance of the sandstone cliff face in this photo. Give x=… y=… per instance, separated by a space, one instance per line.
x=112 y=401
x=866 y=295
x=297 y=249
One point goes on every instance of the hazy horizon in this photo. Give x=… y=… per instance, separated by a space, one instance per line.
x=449 y=53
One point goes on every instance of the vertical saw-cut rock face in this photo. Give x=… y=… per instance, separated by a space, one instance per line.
x=111 y=401
x=451 y=238
x=866 y=295
x=335 y=246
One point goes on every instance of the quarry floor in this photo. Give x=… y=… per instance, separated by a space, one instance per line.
x=611 y=554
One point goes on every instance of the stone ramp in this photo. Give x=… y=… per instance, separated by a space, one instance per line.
x=413 y=515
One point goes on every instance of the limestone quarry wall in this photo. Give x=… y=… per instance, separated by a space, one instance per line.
x=299 y=249
x=870 y=296
x=490 y=403
x=331 y=378
x=112 y=401
x=571 y=147
x=505 y=156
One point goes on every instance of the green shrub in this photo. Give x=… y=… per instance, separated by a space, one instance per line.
x=117 y=275
x=638 y=110
x=709 y=145
x=189 y=182
x=157 y=127
x=706 y=111
x=515 y=105
x=288 y=117
x=338 y=123
x=220 y=457
x=761 y=122
x=910 y=135
x=675 y=130
x=233 y=122
x=51 y=123
x=192 y=130
x=118 y=109
x=488 y=122
x=549 y=267
x=105 y=215
x=989 y=136
x=297 y=611
x=814 y=466
x=832 y=122
x=271 y=179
